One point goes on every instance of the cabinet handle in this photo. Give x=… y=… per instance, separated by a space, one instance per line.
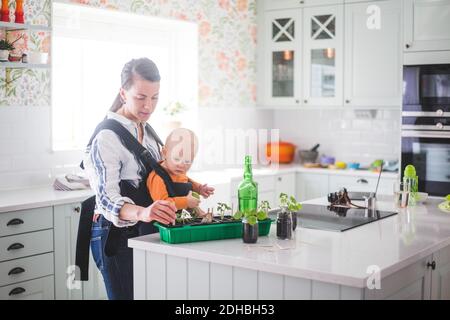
x=302 y=2
x=347 y=101
x=432 y=265
x=15 y=246
x=77 y=209
x=297 y=101
x=14 y=222
x=279 y=178
x=17 y=270
x=16 y=291
x=305 y=101
x=407 y=46
x=363 y=181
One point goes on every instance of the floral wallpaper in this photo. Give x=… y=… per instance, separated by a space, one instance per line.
x=27 y=87
x=227 y=47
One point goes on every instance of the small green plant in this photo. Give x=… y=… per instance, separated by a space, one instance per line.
x=222 y=208
x=263 y=210
x=6 y=45
x=174 y=108
x=289 y=203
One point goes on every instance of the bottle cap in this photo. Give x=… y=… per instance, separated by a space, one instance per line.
x=410 y=171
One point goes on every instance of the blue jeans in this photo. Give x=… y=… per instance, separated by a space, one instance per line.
x=117 y=271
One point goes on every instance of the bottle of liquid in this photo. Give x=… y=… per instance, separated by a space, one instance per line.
x=412 y=181
x=248 y=189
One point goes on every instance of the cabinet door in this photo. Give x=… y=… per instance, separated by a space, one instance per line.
x=66 y=229
x=410 y=283
x=427 y=25
x=311 y=186
x=66 y=219
x=323 y=38
x=282 y=57
x=440 y=277
x=284 y=183
x=373 y=54
x=361 y=184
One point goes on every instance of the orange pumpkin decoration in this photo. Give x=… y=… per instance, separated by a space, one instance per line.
x=280 y=152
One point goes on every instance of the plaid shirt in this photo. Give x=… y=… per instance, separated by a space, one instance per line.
x=107 y=162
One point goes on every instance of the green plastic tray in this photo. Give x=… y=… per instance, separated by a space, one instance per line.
x=228 y=230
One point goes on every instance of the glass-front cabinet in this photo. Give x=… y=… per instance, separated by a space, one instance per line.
x=323 y=58
x=282 y=60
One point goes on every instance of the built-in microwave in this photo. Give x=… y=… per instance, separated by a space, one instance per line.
x=426 y=126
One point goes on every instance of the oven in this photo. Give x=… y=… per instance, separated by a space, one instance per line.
x=426 y=126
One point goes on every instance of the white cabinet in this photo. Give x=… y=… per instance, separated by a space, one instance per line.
x=373 y=54
x=269 y=188
x=440 y=275
x=66 y=219
x=427 y=25
x=311 y=186
x=361 y=183
x=285 y=4
x=284 y=183
x=38 y=289
x=323 y=39
x=280 y=67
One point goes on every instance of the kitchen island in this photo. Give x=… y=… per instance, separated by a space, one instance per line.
x=405 y=256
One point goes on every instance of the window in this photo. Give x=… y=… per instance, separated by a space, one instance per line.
x=90 y=48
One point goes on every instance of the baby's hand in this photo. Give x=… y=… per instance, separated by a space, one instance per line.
x=192 y=202
x=206 y=190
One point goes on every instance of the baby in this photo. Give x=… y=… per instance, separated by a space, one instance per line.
x=170 y=181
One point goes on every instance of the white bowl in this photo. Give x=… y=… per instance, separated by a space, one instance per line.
x=37 y=57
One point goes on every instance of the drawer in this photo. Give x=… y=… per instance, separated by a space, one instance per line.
x=26 y=244
x=358 y=183
x=24 y=269
x=15 y=222
x=265 y=183
x=38 y=289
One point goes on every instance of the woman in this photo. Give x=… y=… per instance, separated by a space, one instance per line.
x=108 y=163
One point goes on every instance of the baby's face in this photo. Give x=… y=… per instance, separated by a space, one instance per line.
x=178 y=159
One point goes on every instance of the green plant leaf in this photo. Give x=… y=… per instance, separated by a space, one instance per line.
x=237 y=215
x=252 y=220
x=447 y=197
x=262 y=215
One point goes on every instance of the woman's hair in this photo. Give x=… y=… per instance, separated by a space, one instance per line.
x=142 y=68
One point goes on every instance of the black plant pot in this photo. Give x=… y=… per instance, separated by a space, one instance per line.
x=294 y=220
x=249 y=232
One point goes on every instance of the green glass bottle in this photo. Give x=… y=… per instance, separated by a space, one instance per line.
x=248 y=189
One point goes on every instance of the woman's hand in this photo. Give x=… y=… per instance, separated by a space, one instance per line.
x=206 y=190
x=162 y=211
x=192 y=202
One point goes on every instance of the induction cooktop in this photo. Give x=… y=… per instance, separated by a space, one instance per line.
x=338 y=219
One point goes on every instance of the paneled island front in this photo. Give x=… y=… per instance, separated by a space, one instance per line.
x=405 y=256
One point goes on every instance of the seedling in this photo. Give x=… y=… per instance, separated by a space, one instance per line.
x=289 y=203
x=222 y=208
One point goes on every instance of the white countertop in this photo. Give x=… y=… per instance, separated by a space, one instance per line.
x=335 y=257
x=20 y=199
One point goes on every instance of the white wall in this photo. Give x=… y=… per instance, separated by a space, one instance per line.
x=25 y=156
x=25 y=142
x=342 y=133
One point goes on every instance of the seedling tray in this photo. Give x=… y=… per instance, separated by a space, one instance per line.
x=206 y=232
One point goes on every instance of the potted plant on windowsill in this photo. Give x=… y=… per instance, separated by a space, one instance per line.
x=5 y=48
x=173 y=110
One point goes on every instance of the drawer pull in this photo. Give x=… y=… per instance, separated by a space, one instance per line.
x=16 y=291
x=16 y=246
x=14 y=222
x=17 y=270
x=363 y=181
x=431 y=265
